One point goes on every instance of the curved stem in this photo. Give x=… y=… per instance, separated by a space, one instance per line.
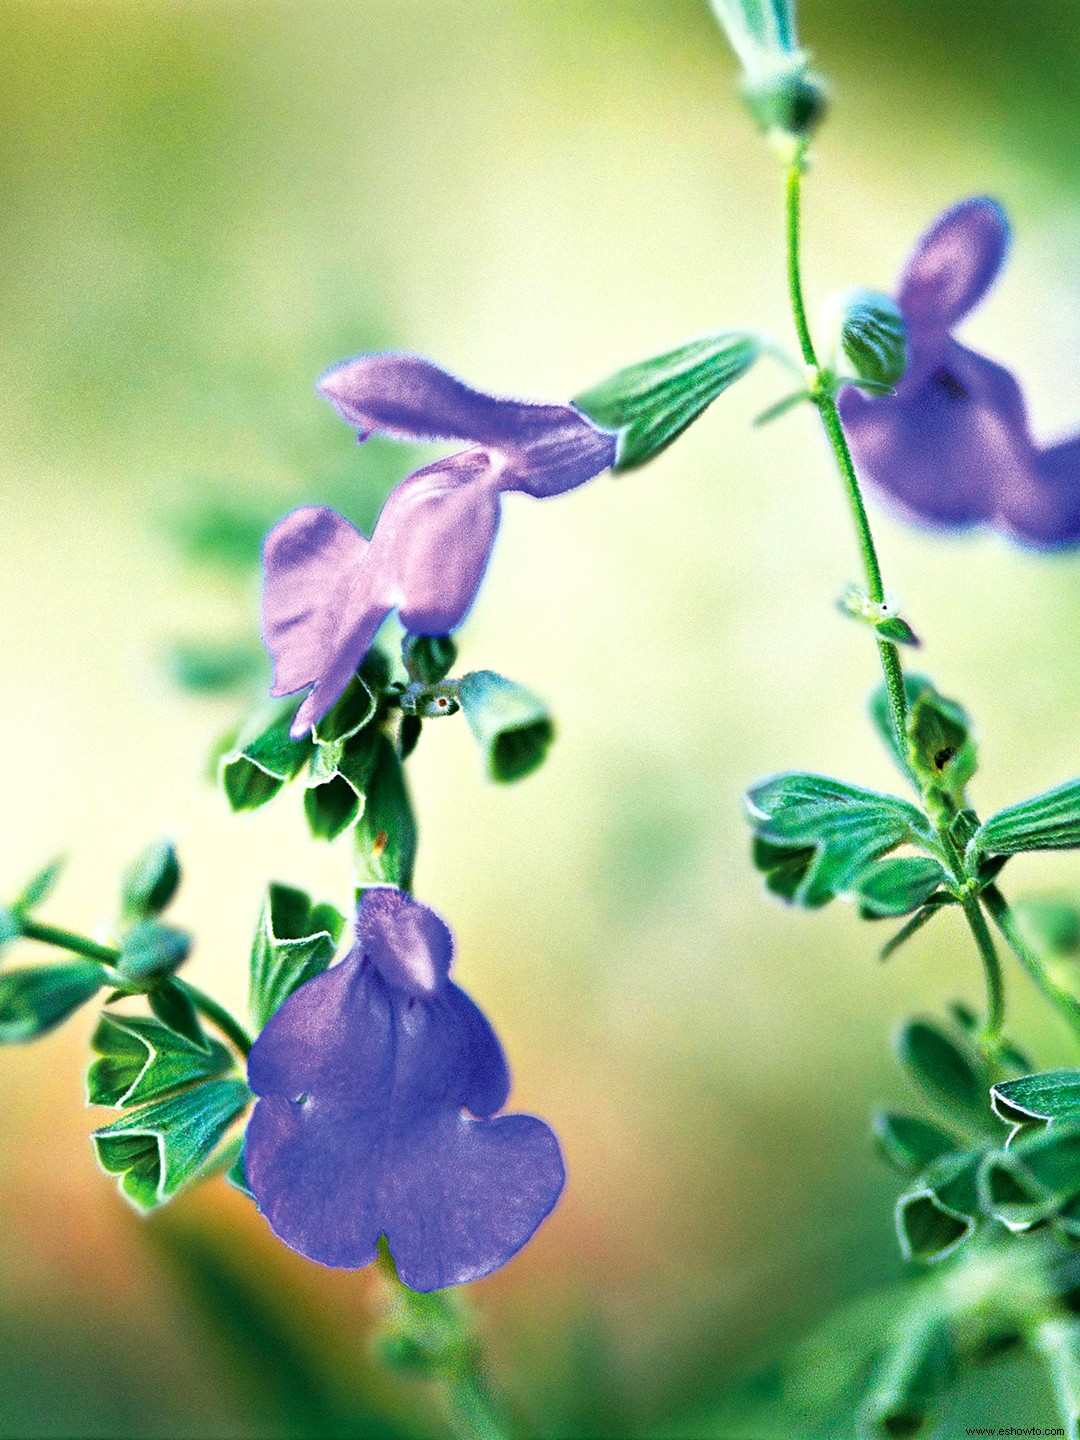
x=995 y=989
x=1003 y=917
x=108 y=955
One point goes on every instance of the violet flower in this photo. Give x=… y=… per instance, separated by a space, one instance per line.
x=363 y=1078
x=952 y=447
x=327 y=589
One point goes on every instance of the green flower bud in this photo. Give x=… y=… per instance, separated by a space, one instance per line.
x=784 y=96
x=865 y=337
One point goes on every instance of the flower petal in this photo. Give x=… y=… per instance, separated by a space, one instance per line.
x=953 y=264
x=359 y=1131
x=950 y=444
x=547 y=448
x=1046 y=513
x=323 y=601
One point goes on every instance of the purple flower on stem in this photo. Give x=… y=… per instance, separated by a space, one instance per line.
x=363 y=1078
x=952 y=447
x=327 y=589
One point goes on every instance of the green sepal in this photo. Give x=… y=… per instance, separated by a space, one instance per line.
x=355 y=709
x=816 y=836
x=938 y=746
x=948 y=1073
x=509 y=723
x=294 y=941
x=149 y=882
x=35 y=999
x=934 y=1219
x=38 y=889
x=340 y=774
x=385 y=834
x=174 y=1007
x=236 y=1175
x=898 y=885
x=1050 y=821
x=650 y=404
x=1047 y=1096
x=428 y=658
x=908 y=1143
x=897 y=629
x=151 y=950
x=160 y=1147
x=780 y=408
x=865 y=328
x=917 y=1370
x=409 y=735
x=264 y=758
x=141 y=1060
x=1030 y=1181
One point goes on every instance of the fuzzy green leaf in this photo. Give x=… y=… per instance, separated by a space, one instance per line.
x=898 y=885
x=511 y=726
x=816 y=837
x=35 y=999
x=264 y=758
x=294 y=941
x=141 y=1059
x=946 y=1071
x=653 y=402
x=174 y=1008
x=908 y=1143
x=1050 y=821
x=1049 y=1095
x=160 y=1147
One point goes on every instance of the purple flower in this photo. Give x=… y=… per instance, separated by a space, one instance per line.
x=364 y=1076
x=328 y=590
x=952 y=447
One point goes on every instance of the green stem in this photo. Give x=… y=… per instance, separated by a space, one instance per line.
x=1002 y=915
x=995 y=989
x=109 y=955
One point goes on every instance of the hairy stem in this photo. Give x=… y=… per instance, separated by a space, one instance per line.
x=109 y=955
x=1003 y=917
x=995 y=990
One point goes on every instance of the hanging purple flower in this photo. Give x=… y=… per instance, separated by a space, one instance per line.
x=952 y=447
x=363 y=1078
x=327 y=589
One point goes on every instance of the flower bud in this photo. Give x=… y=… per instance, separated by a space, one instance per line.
x=865 y=337
x=782 y=93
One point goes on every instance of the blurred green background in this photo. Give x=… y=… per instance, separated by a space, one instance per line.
x=205 y=205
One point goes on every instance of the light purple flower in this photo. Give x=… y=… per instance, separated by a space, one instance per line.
x=364 y=1077
x=952 y=447
x=327 y=589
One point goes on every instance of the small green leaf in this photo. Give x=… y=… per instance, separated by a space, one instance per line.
x=653 y=402
x=428 y=658
x=174 y=1008
x=37 y=998
x=898 y=885
x=1050 y=821
x=385 y=834
x=817 y=836
x=511 y=726
x=150 y=950
x=150 y=882
x=264 y=758
x=1049 y=1095
x=948 y=1073
x=158 y=1148
x=294 y=941
x=910 y=1144
x=940 y=744
x=913 y=926
x=142 y=1060
x=37 y=890
x=10 y=928
x=897 y=629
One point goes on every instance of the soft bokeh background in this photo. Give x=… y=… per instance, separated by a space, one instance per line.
x=205 y=204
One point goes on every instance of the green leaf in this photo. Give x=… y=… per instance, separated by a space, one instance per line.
x=1050 y=923
x=653 y=402
x=294 y=941
x=141 y=1059
x=37 y=890
x=898 y=885
x=511 y=726
x=150 y=882
x=910 y=1144
x=174 y=1008
x=37 y=998
x=817 y=836
x=340 y=775
x=1049 y=1095
x=947 y=1072
x=158 y=1148
x=913 y=926
x=428 y=658
x=1027 y=1183
x=385 y=834
x=150 y=950
x=897 y=629
x=264 y=758
x=1050 y=821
